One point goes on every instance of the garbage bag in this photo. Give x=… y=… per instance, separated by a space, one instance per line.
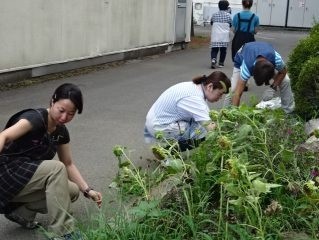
x=273 y=103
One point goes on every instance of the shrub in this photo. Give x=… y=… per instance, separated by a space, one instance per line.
x=303 y=66
x=307 y=89
x=305 y=49
x=315 y=29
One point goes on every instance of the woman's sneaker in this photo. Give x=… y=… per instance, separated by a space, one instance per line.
x=21 y=221
x=221 y=65
x=213 y=64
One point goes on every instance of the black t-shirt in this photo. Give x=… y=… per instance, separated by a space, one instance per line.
x=20 y=158
x=37 y=144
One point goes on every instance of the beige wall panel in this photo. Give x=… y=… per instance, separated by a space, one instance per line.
x=41 y=32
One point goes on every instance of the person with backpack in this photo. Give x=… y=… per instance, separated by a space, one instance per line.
x=245 y=25
x=31 y=181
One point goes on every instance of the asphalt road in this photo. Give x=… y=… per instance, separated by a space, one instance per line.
x=116 y=101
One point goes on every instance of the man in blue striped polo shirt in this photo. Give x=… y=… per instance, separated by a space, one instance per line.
x=260 y=60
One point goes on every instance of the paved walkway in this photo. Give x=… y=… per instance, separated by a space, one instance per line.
x=116 y=101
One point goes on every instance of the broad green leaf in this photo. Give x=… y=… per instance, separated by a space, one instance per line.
x=244 y=131
x=232 y=190
x=260 y=186
x=253 y=175
x=287 y=155
x=210 y=167
x=236 y=202
x=124 y=164
x=174 y=165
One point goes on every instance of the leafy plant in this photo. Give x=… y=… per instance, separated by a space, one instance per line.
x=130 y=179
x=245 y=181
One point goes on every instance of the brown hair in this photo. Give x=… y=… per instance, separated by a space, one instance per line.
x=263 y=72
x=217 y=78
x=247 y=3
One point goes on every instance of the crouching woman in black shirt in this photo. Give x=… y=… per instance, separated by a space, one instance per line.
x=30 y=181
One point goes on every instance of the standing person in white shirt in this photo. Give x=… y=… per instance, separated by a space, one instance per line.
x=221 y=24
x=181 y=112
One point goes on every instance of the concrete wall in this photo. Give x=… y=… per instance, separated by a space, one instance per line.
x=37 y=33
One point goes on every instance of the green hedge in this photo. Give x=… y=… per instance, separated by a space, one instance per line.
x=314 y=29
x=306 y=48
x=307 y=93
x=303 y=68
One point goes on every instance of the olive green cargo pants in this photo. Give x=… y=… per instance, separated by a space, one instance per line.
x=49 y=191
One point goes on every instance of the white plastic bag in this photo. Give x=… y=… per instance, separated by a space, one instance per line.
x=272 y=104
x=311 y=125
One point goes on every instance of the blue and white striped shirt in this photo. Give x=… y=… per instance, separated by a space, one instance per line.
x=246 y=57
x=181 y=102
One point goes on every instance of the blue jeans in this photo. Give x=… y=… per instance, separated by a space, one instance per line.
x=186 y=133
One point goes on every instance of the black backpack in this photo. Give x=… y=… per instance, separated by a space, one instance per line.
x=242 y=37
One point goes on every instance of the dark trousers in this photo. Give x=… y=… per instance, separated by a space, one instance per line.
x=214 y=52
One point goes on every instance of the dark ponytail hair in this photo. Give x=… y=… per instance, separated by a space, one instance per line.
x=217 y=78
x=247 y=3
x=71 y=92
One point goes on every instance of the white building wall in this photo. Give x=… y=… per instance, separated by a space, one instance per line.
x=303 y=13
x=42 y=32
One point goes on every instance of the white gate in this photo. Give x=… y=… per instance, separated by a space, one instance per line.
x=272 y=12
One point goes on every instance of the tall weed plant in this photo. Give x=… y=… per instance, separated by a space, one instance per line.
x=247 y=180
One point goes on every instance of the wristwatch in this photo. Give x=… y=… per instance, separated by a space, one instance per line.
x=86 y=192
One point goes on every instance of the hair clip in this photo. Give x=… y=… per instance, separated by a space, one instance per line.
x=223 y=85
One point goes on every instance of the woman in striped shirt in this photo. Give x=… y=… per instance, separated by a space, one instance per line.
x=181 y=112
